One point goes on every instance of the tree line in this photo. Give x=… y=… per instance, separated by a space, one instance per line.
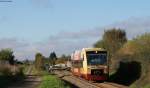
x=41 y=61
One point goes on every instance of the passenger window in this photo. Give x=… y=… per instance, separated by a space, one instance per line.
x=77 y=64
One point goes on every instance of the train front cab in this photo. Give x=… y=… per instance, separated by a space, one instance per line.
x=96 y=74
x=94 y=68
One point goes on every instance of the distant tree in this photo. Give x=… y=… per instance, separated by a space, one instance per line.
x=53 y=58
x=26 y=62
x=39 y=61
x=19 y=62
x=46 y=60
x=63 y=59
x=63 y=56
x=7 y=55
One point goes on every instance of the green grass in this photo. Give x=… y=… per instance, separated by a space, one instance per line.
x=147 y=86
x=25 y=68
x=135 y=86
x=50 y=81
x=38 y=72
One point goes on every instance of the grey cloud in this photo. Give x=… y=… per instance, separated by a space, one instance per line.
x=133 y=26
x=42 y=3
x=62 y=46
x=66 y=42
x=11 y=43
x=19 y=47
x=83 y=34
x=23 y=50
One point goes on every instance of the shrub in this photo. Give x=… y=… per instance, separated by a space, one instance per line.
x=5 y=71
x=137 y=50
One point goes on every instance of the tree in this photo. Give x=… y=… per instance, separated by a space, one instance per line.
x=112 y=40
x=53 y=58
x=39 y=61
x=100 y=44
x=7 y=55
x=65 y=57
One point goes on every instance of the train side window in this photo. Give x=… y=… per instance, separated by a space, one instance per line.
x=77 y=64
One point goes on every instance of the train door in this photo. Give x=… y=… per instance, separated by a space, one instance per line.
x=85 y=70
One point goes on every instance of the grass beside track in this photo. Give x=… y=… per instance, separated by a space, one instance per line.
x=135 y=86
x=50 y=81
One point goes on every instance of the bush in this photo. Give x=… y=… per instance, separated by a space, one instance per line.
x=9 y=74
x=11 y=70
x=137 y=50
x=20 y=71
x=5 y=71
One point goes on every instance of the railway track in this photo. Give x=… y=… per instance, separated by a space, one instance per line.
x=109 y=85
x=82 y=83
x=116 y=85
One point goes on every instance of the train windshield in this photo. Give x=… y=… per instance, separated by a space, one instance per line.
x=99 y=58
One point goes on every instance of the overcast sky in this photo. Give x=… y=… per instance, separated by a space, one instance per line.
x=30 y=26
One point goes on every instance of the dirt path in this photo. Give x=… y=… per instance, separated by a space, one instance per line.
x=29 y=72
x=30 y=81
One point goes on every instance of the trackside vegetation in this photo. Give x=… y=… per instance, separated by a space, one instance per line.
x=40 y=69
x=10 y=70
x=50 y=81
x=129 y=59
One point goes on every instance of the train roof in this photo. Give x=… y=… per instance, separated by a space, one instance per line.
x=91 y=49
